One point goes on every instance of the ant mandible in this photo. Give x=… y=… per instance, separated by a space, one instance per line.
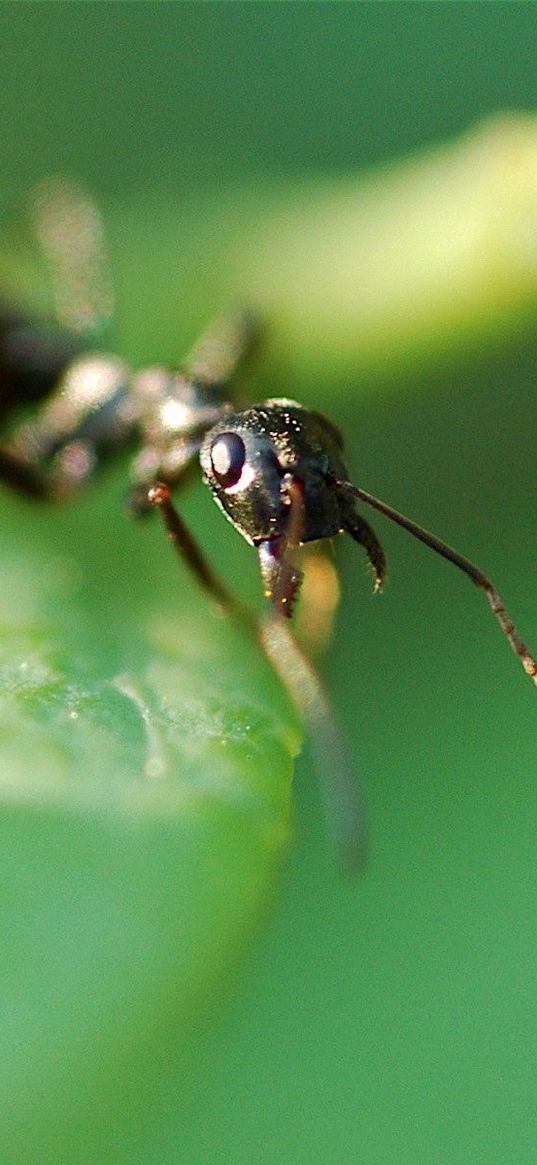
x=277 y=470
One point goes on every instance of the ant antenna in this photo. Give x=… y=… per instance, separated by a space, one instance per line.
x=529 y=663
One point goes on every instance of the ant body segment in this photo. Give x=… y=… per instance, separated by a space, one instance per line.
x=277 y=470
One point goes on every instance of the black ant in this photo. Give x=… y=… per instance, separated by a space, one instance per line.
x=277 y=470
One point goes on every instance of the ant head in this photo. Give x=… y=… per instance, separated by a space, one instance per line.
x=249 y=458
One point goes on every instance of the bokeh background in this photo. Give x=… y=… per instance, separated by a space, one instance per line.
x=393 y=1018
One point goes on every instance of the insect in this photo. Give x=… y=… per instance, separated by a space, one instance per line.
x=277 y=470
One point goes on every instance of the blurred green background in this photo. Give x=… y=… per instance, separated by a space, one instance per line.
x=391 y=1019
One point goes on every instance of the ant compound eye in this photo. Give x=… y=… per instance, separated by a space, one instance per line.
x=228 y=454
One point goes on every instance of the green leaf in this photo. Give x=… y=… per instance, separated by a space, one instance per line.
x=145 y=768
x=146 y=749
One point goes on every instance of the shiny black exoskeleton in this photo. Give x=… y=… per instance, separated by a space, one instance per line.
x=277 y=469
x=246 y=460
x=270 y=467
x=265 y=460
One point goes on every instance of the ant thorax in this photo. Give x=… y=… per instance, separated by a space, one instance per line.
x=173 y=412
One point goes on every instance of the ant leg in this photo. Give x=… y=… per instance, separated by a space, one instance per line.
x=23 y=477
x=160 y=495
x=138 y=502
x=341 y=794
x=32 y=359
x=361 y=531
x=339 y=784
x=342 y=798
x=224 y=348
x=69 y=230
x=529 y=663
x=61 y=483
x=318 y=583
